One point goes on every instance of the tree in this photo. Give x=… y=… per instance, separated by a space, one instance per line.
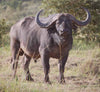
x=88 y=33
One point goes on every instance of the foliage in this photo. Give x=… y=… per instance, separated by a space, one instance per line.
x=11 y=11
x=12 y=3
x=18 y=9
x=22 y=8
x=88 y=33
x=15 y=4
x=4 y=28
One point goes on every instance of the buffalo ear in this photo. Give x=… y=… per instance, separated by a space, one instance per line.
x=52 y=26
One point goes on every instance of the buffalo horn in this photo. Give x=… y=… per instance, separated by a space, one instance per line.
x=47 y=21
x=82 y=23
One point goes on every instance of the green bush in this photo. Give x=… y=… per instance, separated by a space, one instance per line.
x=89 y=33
x=4 y=29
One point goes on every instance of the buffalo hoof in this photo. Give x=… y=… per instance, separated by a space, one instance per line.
x=62 y=81
x=29 y=79
x=48 y=82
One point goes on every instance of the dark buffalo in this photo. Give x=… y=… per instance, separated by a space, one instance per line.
x=45 y=38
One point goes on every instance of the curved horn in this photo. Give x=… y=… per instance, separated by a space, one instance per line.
x=49 y=20
x=82 y=23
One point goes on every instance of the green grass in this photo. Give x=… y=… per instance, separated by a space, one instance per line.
x=80 y=73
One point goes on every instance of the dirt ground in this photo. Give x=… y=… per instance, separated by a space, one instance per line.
x=76 y=79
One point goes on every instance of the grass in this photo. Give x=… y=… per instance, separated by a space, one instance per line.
x=81 y=74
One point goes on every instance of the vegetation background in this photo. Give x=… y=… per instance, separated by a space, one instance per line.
x=83 y=67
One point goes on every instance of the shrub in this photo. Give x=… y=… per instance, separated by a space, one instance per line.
x=89 y=33
x=4 y=28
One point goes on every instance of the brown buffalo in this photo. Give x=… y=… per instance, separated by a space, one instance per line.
x=45 y=38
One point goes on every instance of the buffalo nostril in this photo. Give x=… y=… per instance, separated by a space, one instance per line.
x=61 y=30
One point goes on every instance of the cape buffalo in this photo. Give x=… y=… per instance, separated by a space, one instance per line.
x=36 y=37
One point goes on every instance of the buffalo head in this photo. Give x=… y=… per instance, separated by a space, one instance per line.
x=64 y=22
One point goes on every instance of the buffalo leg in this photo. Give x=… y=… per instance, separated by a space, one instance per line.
x=15 y=56
x=61 y=64
x=26 y=68
x=45 y=60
